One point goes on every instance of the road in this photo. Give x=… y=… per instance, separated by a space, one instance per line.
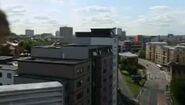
x=154 y=86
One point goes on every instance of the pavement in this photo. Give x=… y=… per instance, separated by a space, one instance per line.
x=155 y=85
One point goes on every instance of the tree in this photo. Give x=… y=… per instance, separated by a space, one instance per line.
x=141 y=53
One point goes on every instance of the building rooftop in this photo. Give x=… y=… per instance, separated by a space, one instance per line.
x=5 y=58
x=170 y=47
x=56 y=61
x=128 y=55
x=30 y=86
x=73 y=45
x=157 y=43
x=8 y=67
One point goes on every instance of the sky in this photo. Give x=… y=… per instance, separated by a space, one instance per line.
x=147 y=17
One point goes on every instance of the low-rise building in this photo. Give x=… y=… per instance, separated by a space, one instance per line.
x=151 y=49
x=7 y=73
x=48 y=93
x=74 y=74
x=161 y=53
x=130 y=57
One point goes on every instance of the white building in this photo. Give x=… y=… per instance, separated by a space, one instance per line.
x=7 y=73
x=29 y=32
x=46 y=93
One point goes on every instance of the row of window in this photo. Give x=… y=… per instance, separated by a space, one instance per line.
x=82 y=69
x=9 y=75
x=80 y=82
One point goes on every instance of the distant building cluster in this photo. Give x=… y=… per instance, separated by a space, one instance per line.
x=172 y=57
x=85 y=65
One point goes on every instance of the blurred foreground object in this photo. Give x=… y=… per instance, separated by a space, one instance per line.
x=4 y=26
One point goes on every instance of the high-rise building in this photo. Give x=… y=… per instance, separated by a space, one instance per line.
x=57 y=33
x=107 y=36
x=29 y=32
x=67 y=34
x=46 y=93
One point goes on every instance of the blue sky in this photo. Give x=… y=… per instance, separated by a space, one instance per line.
x=147 y=17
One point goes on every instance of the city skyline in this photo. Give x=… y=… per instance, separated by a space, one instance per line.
x=136 y=17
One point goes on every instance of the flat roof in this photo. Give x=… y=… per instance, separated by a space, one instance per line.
x=128 y=54
x=57 y=61
x=157 y=43
x=170 y=47
x=5 y=57
x=8 y=67
x=30 y=86
x=73 y=45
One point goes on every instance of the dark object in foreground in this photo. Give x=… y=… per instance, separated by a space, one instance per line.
x=4 y=26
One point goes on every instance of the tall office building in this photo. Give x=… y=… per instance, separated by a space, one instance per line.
x=67 y=34
x=29 y=32
x=108 y=36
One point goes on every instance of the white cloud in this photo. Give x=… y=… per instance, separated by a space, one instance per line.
x=95 y=9
x=158 y=20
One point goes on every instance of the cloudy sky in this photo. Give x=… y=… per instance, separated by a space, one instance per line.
x=147 y=17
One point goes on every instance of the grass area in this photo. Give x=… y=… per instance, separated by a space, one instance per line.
x=134 y=87
x=177 y=92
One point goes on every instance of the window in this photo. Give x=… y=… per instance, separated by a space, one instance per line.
x=79 y=95
x=80 y=70
x=104 y=80
x=104 y=61
x=1 y=74
x=88 y=79
x=88 y=67
x=104 y=89
x=88 y=90
x=104 y=70
x=79 y=83
x=9 y=75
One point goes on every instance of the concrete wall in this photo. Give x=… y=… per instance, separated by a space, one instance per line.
x=46 y=52
x=32 y=94
x=4 y=80
x=49 y=69
x=76 y=52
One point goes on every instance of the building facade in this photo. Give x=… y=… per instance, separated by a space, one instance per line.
x=74 y=74
x=67 y=34
x=161 y=53
x=48 y=93
x=7 y=73
x=100 y=57
x=105 y=37
x=151 y=50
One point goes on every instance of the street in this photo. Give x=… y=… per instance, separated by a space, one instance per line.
x=154 y=86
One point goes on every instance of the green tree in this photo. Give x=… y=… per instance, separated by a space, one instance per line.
x=141 y=53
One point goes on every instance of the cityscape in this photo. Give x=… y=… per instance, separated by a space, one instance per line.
x=98 y=65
